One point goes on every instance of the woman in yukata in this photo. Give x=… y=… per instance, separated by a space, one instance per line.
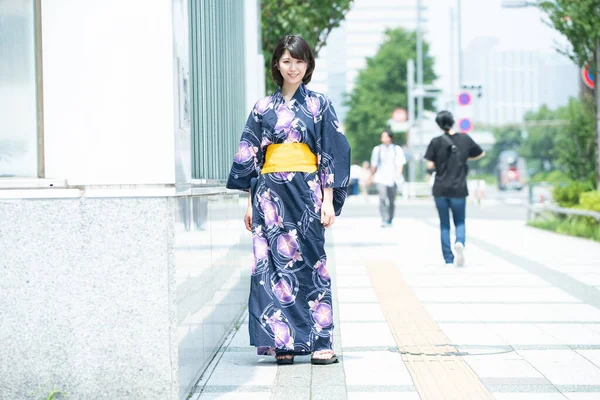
x=294 y=161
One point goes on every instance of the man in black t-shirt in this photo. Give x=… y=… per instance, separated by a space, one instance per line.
x=447 y=155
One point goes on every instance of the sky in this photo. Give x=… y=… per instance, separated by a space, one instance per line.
x=516 y=29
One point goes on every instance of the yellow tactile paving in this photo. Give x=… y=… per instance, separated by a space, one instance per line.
x=421 y=341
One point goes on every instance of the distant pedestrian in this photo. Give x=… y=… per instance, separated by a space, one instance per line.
x=447 y=156
x=387 y=161
x=363 y=182
x=355 y=174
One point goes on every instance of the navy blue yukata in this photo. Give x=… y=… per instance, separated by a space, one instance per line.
x=290 y=303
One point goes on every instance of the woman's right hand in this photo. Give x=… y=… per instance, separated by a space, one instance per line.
x=248 y=218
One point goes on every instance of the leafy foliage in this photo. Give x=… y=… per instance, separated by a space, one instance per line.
x=380 y=88
x=590 y=201
x=507 y=137
x=575 y=148
x=572 y=226
x=539 y=144
x=568 y=195
x=311 y=19
x=578 y=21
x=568 y=147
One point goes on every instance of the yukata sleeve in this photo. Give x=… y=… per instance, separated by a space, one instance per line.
x=248 y=159
x=334 y=157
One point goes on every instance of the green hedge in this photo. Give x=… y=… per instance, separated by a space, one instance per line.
x=568 y=195
x=579 y=195
x=572 y=226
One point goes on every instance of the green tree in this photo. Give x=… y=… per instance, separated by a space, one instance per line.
x=575 y=149
x=508 y=137
x=578 y=21
x=380 y=88
x=544 y=128
x=311 y=19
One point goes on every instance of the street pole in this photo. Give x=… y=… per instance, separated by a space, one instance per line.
x=597 y=92
x=410 y=80
x=419 y=75
x=452 y=80
x=460 y=55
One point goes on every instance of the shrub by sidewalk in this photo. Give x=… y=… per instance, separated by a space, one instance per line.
x=574 y=195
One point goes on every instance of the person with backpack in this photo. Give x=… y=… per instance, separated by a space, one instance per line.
x=447 y=156
x=387 y=161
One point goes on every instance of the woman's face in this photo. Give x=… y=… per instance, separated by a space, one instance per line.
x=292 y=69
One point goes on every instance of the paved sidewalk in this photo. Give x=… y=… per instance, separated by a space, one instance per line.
x=520 y=321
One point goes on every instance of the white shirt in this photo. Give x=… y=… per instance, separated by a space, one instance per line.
x=387 y=160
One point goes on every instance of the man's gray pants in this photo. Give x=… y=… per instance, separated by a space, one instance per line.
x=387 y=195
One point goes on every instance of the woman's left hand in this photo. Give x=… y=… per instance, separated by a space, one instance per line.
x=327 y=214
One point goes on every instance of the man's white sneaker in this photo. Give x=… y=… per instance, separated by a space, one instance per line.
x=459 y=254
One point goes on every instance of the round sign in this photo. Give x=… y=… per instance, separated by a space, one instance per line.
x=465 y=125
x=588 y=77
x=464 y=99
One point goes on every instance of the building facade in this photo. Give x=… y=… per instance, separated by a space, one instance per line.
x=516 y=82
x=125 y=261
x=359 y=37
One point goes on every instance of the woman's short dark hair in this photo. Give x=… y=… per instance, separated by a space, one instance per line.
x=298 y=49
x=445 y=120
x=390 y=134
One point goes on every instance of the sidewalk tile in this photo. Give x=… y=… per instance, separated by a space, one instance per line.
x=376 y=368
x=233 y=396
x=572 y=333
x=523 y=334
x=243 y=369
x=563 y=367
x=492 y=367
x=356 y=295
x=583 y=396
x=360 y=312
x=366 y=334
x=384 y=396
x=528 y=396
x=592 y=356
x=353 y=281
x=474 y=334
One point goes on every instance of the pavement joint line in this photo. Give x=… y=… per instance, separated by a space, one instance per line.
x=510 y=388
x=235 y=389
x=380 y=388
x=517 y=347
x=586 y=293
x=481 y=286
x=540 y=388
x=416 y=333
x=502 y=302
x=524 y=322
x=204 y=378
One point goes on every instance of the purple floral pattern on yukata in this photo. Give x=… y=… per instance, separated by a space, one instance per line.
x=290 y=304
x=260 y=247
x=281 y=332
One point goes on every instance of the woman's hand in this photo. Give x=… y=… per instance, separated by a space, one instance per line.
x=327 y=211
x=248 y=219
x=248 y=215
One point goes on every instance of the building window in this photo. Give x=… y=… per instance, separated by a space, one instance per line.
x=217 y=85
x=18 y=93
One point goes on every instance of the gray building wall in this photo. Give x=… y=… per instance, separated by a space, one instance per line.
x=114 y=288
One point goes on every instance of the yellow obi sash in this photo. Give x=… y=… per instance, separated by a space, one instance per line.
x=289 y=157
